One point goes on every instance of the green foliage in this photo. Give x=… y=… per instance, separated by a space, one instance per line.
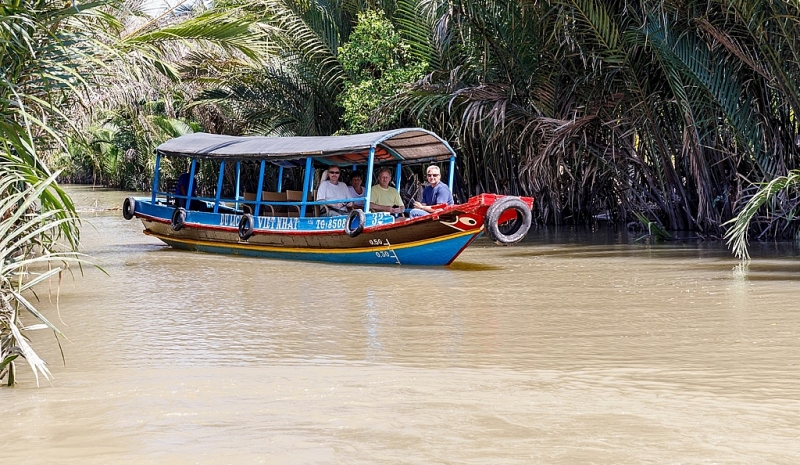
x=379 y=65
x=137 y=94
x=31 y=252
x=779 y=197
x=673 y=107
x=654 y=229
x=116 y=151
x=292 y=90
x=42 y=46
x=82 y=89
x=665 y=107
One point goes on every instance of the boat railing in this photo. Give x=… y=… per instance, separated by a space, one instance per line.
x=280 y=206
x=309 y=203
x=169 y=199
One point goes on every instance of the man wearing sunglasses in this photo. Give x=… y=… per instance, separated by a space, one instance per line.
x=436 y=193
x=332 y=189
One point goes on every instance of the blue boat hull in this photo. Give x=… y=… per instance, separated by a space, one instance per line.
x=431 y=240
x=435 y=252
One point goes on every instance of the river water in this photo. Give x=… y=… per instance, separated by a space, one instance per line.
x=568 y=348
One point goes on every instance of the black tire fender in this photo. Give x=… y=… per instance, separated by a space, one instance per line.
x=517 y=228
x=354 y=223
x=178 y=218
x=247 y=225
x=128 y=208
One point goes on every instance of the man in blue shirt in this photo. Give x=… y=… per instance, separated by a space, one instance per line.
x=436 y=193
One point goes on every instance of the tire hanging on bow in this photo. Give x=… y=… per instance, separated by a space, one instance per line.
x=508 y=220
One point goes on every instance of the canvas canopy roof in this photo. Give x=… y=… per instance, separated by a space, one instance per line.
x=410 y=144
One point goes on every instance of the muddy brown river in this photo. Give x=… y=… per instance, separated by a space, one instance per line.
x=569 y=348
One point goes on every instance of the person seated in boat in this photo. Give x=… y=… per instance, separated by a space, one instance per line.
x=357 y=188
x=332 y=189
x=435 y=193
x=383 y=197
x=182 y=187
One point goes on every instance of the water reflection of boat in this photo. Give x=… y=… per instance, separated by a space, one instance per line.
x=285 y=224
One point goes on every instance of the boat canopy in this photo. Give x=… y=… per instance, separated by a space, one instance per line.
x=394 y=146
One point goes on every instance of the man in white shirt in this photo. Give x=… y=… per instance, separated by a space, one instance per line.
x=332 y=189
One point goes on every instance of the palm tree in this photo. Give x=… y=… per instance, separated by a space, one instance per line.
x=138 y=96
x=293 y=89
x=30 y=253
x=39 y=49
x=666 y=108
x=61 y=62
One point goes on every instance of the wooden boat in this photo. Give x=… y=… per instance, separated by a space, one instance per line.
x=279 y=225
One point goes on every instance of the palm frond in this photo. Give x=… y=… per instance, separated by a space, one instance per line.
x=740 y=225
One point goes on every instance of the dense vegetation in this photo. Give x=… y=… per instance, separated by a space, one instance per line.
x=38 y=223
x=673 y=110
x=679 y=113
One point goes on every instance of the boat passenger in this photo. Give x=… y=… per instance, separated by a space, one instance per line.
x=436 y=193
x=357 y=188
x=332 y=189
x=383 y=197
x=182 y=187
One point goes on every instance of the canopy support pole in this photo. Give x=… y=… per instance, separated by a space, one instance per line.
x=368 y=181
x=219 y=186
x=306 y=183
x=397 y=176
x=155 y=179
x=257 y=208
x=238 y=179
x=452 y=172
x=280 y=178
x=190 y=189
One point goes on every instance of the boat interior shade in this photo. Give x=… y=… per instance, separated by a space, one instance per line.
x=408 y=144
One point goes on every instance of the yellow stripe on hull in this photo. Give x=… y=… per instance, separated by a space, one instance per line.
x=267 y=248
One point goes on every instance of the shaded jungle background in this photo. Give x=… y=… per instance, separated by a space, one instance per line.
x=671 y=110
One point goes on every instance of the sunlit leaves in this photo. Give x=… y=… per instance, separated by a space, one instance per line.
x=379 y=65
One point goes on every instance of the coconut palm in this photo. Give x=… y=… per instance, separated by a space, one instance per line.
x=40 y=45
x=136 y=97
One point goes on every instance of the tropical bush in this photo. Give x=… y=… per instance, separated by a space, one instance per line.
x=67 y=67
x=668 y=111
x=138 y=96
x=293 y=89
x=662 y=112
x=379 y=64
